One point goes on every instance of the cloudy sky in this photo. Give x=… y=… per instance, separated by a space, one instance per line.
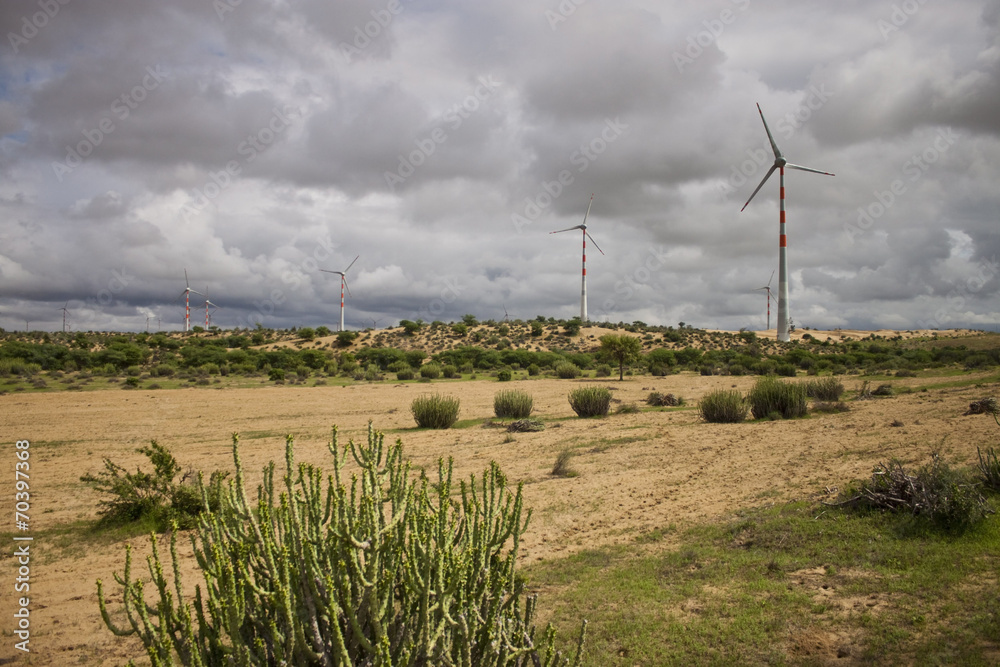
x=253 y=142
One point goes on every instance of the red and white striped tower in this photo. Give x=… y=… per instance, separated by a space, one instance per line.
x=586 y=235
x=187 y=301
x=343 y=286
x=780 y=163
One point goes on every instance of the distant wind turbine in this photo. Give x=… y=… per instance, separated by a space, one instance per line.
x=343 y=286
x=208 y=317
x=780 y=163
x=65 y=313
x=187 y=301
x=768 y=289
x=586 y=235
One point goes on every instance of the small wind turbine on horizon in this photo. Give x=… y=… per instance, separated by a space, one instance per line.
x=187 y=301
x=208 y=316
x=343 y=286
x=780 y=163
x=586 y=235
x=65 y=313
x=768 y=289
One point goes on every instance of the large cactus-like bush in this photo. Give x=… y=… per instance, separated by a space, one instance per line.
x=388 y=570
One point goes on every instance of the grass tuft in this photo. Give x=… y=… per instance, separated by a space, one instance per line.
x=770 y=395
x=590 y=401
x=512 y=404
x=435 y=411
x=723 y=406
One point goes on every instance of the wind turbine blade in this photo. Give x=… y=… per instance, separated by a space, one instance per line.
x=789 y=165
x=567 y=230
x=351 y=264
x=328 y=271
x=770 y=279
x=594 y=242
x=587 y=214
x=774 y=146
x=763 y=180
x=186 y=283
x=347 y=286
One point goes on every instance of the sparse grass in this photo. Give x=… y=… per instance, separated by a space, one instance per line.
x=743 y=592
x=435 y=411
x=627 y=409
x=561 y=467
x=723 y=406
x=830 y=407
x=590 y=401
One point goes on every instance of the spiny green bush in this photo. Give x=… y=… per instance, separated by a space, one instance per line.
x=435 y=411
x=512 y=404
x=533 y=369
x=449 y=371
x=392 y=570
x=989 y=468
x=405 y=374
x=825 y=389
x=152 y=499
x=504 y=375
x=590 y=401
x=567 y=371
x=771 y=395
x=723 y=406
x=602 y=371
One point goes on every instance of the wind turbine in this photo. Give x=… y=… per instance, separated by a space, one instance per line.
x=780 y=163
x=65 y=313
x=583 y=227
x=208 y=319
x=343 y=285
x=187 y=301
x=506 y=317
x=768 y=289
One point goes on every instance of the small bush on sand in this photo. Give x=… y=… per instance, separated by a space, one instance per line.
x=512 y=404
x=590 y=401
x=567 y=371
x=825 y=389
x=771 y=395
x=435 y=411
x=723 y=406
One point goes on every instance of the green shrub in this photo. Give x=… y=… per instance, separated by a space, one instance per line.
x=590 y=401
x=276 y=375
x=358 y=572
x=561 y=467
x=405 y=374
x=627 y=409
x=434 y=411
x=707 y=370
x=771 y=395
x=533 y=370
x=567 y=371
x=785 y=370
x=989 y=469
x=723 y=406
x=153 y=499
x=430 y=371
x=131 y=383
x=504 y=375
x=512 y=404
x=372 y=373
x=602 y=371
x=449 y=372
x=825 y=389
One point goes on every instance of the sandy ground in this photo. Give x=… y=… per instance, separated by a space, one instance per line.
x=637 y=472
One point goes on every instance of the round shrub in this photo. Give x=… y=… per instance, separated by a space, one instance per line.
x=504 y=375
x=276 y=375
x=430 y=371
x=603 y=371
x=771 y=395
x=512 y=404
x=786 y=370
x=590 y=401
x=449 y=372
x=405 y=374
x=434 y=411
x=533 y=370
x=723 y=406
x=825 y=389
x=567 y=371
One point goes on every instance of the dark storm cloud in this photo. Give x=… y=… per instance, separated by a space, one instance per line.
x=254 y=144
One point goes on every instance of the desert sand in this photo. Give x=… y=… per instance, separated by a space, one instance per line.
x=636 y=473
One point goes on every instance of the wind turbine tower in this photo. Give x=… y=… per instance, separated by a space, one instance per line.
x=208 y=317
x=780 y=163
x=586 y=235
x=187 y=301
x=768 y=289
x=343 y=286
x=65 y=313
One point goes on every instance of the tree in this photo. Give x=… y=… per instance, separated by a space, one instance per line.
x=346 y=338
x=622 y=349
